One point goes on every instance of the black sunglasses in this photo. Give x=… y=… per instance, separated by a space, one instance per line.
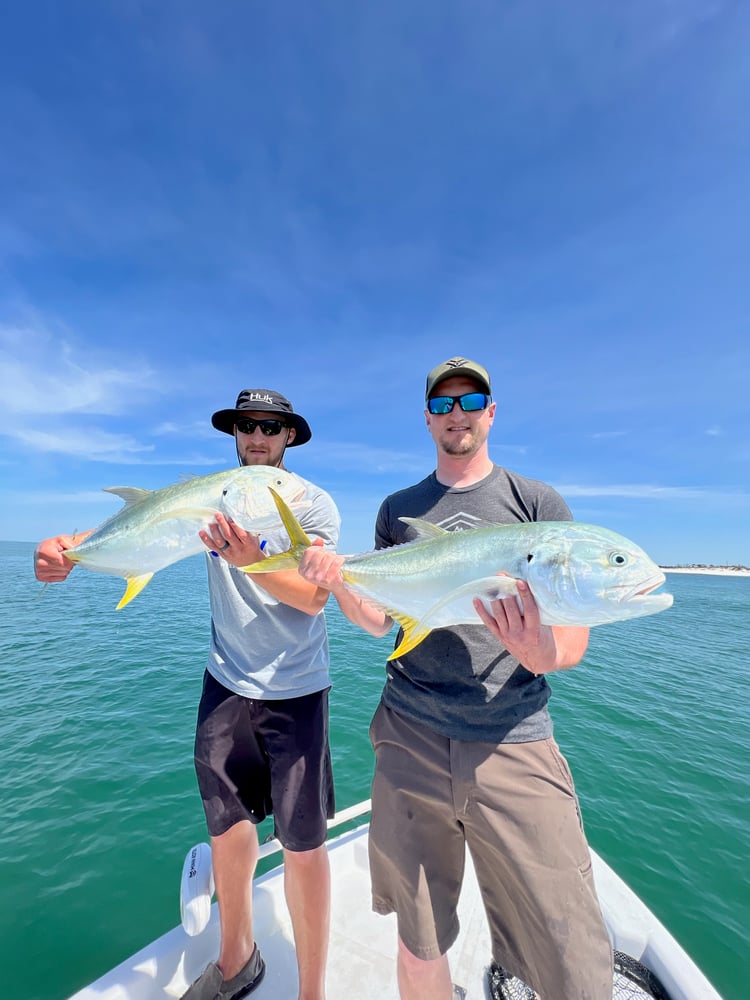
x=271 y=427
x=469 y=403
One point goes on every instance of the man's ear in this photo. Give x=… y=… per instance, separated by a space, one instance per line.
x=292 y=435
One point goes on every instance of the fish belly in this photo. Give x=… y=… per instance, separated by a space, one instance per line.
x=145 y=550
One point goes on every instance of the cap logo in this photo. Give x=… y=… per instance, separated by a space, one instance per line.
x=456 y=362
x=260 y=396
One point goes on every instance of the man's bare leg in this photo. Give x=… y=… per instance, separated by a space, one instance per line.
x=234 y=856
x=307 y=884
x=423 y=979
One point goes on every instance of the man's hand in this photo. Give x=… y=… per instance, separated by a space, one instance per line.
x=232 y=543
x=50 y=564
x=322 y=567
x=539 y=648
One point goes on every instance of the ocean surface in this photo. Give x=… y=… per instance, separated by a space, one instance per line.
x=99 y=803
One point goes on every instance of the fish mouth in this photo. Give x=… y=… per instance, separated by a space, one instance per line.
x=643 y=592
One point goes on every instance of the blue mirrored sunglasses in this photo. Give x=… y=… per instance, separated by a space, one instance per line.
x=469 y=403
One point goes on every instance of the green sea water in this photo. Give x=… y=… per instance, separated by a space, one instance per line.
x=98 y=795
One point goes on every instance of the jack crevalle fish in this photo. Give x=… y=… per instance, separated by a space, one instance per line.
x=579 y=574
x=157 y=528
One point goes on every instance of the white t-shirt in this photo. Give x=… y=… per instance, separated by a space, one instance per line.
x=260 y=647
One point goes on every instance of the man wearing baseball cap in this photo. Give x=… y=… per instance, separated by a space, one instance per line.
x=464 y=752
x=261 y=742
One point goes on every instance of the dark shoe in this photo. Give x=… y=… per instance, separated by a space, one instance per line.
x=503 y=986
x=211 y=985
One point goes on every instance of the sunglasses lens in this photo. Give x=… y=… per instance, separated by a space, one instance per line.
x=469 y=403
x=440 y=404
x=268 y=427
x=472 y=401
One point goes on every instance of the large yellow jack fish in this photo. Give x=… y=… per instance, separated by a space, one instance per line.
x=157 y=528
x=579 y=574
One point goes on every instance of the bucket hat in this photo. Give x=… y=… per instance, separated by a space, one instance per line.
x=268 y=401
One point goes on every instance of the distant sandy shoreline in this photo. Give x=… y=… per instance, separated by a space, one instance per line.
x=713 y=570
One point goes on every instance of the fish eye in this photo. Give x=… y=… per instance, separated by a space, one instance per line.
x=529 y=557
x=617 y=559
x=224 y=491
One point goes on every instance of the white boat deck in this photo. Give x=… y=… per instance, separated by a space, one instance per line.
x=363 y=945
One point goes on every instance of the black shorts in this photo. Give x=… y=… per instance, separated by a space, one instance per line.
x=254 y=758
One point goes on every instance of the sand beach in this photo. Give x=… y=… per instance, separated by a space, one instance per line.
x=714 y=570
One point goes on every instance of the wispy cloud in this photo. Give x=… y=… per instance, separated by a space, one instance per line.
x=45 y=372
x=649 y=491
x=91 y=444
x=607 y=435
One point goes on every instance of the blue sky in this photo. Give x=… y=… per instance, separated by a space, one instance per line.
x=331 y=198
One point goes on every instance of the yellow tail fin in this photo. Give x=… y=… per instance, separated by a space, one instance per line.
x=299 y=542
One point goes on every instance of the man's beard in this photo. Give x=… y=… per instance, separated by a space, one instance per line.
x=467 y=444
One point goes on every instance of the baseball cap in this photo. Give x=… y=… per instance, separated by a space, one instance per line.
x=458 y=366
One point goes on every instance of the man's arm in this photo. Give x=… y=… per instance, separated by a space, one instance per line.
x=322 y=568
x=539 y=648
x=50 y=564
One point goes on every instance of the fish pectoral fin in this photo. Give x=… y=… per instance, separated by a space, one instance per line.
x=133 y=589
x=414 y=633
x=186 y=514
x=493 y=588
x=424 y=529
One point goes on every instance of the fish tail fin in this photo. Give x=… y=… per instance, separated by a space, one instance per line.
x=297 y=536
x=133 y=589
x=414 y=633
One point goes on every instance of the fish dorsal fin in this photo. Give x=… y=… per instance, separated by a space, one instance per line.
x=134 y=587
x=424 y=529
x=130 y=494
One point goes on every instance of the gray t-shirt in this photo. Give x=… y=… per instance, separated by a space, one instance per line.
x=460 y=681
x=260 y=647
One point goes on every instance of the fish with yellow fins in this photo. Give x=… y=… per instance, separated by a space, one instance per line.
x=579 y=574
x=156 y=528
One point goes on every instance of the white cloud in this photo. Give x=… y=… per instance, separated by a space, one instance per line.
x=649 y=491
x=91 y=444
x=43 y=373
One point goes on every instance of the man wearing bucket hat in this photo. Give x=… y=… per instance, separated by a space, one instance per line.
x=261 y=742
x=464 y=752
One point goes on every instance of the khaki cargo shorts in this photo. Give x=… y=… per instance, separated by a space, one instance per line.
x=514 y=806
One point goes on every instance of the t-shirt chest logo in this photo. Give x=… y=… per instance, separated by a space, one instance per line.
x=460 y=522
